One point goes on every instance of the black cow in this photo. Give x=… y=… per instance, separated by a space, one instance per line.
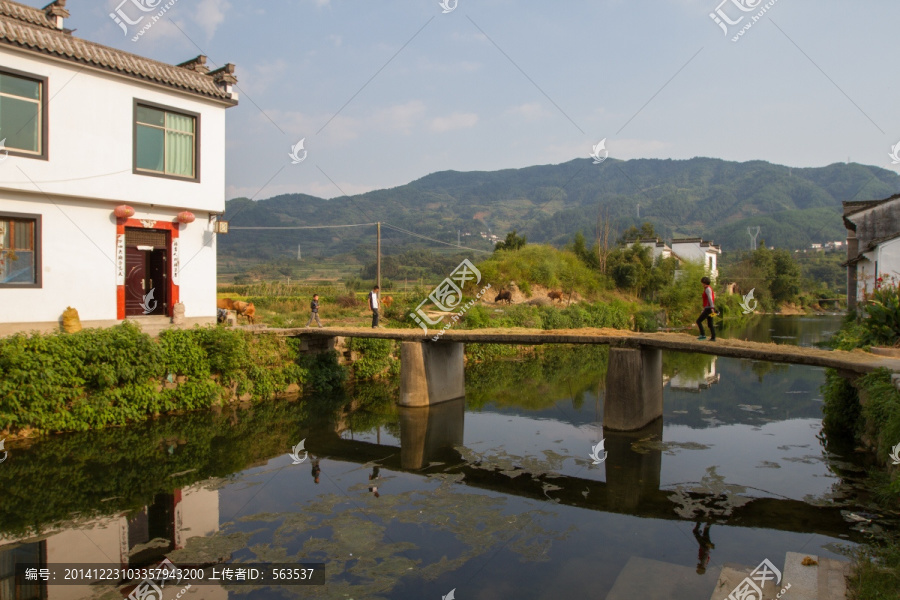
x=504 y=296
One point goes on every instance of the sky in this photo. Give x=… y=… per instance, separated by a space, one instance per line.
x=383 y=93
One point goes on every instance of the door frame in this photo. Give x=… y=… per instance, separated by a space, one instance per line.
x=173 y=262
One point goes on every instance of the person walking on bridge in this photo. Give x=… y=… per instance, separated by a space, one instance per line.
x=373 y=305
x=709 y=309
x=314 y=311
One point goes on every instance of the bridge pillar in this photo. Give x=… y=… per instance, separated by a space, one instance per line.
x=634 y=388
x=430 y=433
x=431 y=373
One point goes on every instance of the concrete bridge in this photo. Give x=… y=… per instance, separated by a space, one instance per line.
x=432 y=372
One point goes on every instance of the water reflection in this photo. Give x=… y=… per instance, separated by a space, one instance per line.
x=632 y=477
x=427 y=433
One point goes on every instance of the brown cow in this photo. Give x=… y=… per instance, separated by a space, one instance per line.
x=555 y=295
x=226 y=303
x=387 y=301
x=504 y=296
x=245 y=309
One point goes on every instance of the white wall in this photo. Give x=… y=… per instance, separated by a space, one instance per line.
x=889 y=259
x=90 y=126
x=78 y=261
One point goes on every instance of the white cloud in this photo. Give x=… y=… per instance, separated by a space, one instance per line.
x=210 y=14
x=298 y=124
x=529 y=111
x=335 y=39
x=399 y=117
x=456 y=120
x=258 y=78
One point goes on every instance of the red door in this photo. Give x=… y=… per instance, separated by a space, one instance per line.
x=146 y=272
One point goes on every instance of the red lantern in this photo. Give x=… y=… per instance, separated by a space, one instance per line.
x=123 y=211
x=186 y=217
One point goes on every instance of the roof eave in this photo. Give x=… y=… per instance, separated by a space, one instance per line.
x=228 y=102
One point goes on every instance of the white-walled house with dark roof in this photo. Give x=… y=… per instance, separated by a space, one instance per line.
x=111 y=177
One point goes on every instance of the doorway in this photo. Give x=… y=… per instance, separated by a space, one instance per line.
x=146 y=272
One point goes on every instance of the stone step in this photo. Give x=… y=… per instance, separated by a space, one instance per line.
x=825 y=580
x=804 y=580
x=732 y=576
x=833 y=576
x=647 y=579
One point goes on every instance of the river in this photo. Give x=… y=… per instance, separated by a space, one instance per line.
x=494 y=497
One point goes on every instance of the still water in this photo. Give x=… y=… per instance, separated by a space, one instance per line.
x=493 y=497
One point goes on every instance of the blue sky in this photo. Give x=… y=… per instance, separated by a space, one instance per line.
x=386 y=92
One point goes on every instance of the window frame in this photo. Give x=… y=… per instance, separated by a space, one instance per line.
x=134 y=140
x=43 y=105
x=38 y=250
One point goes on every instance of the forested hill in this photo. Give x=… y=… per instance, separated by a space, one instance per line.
x=706 y=197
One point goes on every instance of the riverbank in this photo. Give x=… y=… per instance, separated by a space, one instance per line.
x=98 y=378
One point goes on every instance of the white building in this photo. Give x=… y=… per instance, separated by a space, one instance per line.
x=657 y=248
x=873 y=245
x=104 y=151
x=698 y=251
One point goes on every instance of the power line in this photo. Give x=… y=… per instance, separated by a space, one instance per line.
x=400 y=229
x=424 y=237
x=308 y=226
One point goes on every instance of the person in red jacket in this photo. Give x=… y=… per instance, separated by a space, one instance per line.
x=709 y=309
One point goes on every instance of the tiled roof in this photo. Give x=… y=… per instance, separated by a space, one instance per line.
x=30 y=29
x=20 y=12
x=855 y=206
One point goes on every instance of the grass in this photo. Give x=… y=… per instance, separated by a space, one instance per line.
x=877 y=572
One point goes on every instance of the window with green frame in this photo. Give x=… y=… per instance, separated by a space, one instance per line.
x=21 y=113
x=165 y=142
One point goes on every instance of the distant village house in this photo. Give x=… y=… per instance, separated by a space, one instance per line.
x=873 y=245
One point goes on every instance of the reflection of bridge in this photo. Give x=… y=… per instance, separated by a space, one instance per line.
x=431 y=435
x=432 y=372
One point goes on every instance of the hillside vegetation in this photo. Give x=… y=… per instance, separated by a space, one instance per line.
x=705 y=197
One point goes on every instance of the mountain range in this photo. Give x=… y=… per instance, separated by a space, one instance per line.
x=700 y=197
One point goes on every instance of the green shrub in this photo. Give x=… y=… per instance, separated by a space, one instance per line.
x=376 y=358
x=842 y=409
x=101 y=377
x=882 y=409
x=325 y=374
x=882 y=325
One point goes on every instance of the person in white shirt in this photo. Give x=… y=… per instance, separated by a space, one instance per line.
x=373 y=305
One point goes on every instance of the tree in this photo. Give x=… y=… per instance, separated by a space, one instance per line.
x=633 y=233
x=604 y=233
x=786 y=277
x=512 y=241
x=579 y=247
x=630 y=266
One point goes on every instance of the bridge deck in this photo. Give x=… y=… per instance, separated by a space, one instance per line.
x=856 y=362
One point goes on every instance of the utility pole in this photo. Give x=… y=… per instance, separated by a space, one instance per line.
x=457 y=237
x=378 y=256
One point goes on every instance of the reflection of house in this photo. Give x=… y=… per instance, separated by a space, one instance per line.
x=136 y=539
x=873 y=244
x=695 y=383
x=657 y=248
x=106 y=155
x=696 y=250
